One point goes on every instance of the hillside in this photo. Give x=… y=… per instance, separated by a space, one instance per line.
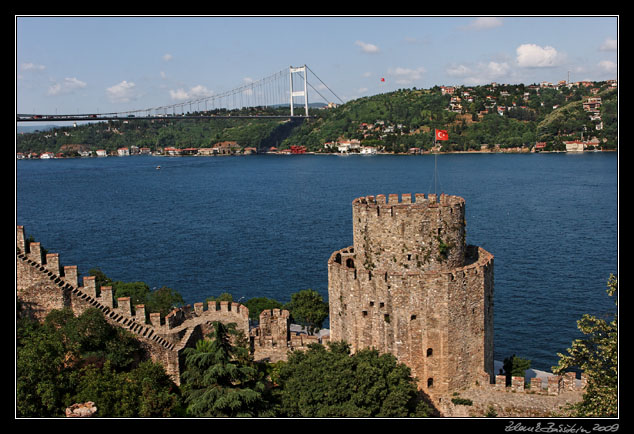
x=504 y=115
x=160 y=133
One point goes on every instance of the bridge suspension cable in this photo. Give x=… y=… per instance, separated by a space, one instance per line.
x=272 y=91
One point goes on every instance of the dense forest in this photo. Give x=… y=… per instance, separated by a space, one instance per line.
x=506 y=116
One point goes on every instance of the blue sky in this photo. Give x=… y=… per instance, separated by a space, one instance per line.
x=99 y=64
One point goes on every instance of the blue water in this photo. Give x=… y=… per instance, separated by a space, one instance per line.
x=266 y=225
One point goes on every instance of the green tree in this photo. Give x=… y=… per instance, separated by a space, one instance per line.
x=515 y=367
x=42 y=378
x=158 y=396
x=597 y=356
x=111 y=391
x=146 y=391
x=308 y=308
x=163 y=300
x=50 y=355
x=331 y=382
x=89 y=337
x=225 y=296
x=100 y=277
x=137 y=291
x=219 y=380
x=257 y=304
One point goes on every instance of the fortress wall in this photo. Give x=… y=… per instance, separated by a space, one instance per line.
x=398 y=291
x=408 y=314
x=42 y=285
x=426 y=234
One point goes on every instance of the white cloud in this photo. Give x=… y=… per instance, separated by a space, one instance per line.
x=459 y=71
x=30 y=66
x=406 y=75
x=607 y=66
x=483 y=23
x=497 y=69
x=609 y=45
x=367 y=48
x=167 y=57
x=535 y=56
x=68 y=85
x=481 y=73
x=122 y=92
x=195 y=92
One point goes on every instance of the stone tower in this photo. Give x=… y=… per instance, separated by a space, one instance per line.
x=411 y=286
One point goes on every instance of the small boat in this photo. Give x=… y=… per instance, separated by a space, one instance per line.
x=158 y=167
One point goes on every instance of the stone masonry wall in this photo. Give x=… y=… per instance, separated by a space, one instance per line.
x=425 y=235
x=396 y=289
x=537 y=397
x=42 y=285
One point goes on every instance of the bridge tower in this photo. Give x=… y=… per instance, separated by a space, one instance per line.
x=293 y=93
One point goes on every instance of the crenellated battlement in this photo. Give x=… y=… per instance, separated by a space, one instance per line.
x=420 y=200
x=538 y=395
x=32 y=252
x=43 y=284
x=477 y=260
x=550 y=384
x=411 y=286
x=425 y=233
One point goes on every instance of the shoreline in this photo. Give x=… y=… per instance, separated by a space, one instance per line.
x=331 y=153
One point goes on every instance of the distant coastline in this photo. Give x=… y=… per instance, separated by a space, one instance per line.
x=49 y=155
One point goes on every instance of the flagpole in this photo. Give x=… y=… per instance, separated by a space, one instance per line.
x=435 y=158
x=435 y=172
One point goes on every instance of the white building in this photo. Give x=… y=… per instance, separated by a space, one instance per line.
x=574 y=146
x=348 y=145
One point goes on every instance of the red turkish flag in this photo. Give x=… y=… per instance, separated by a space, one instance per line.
x=442 y=135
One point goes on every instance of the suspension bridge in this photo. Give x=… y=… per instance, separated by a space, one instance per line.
x=268 y=97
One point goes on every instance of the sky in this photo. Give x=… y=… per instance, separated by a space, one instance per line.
x=101 y=64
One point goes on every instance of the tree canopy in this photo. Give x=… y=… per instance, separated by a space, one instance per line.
x=596 y=355
x=527 y=114
x=69 y=359
x=331 y=382
x=161 y=300
x=308 y=308
x=220 y=379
